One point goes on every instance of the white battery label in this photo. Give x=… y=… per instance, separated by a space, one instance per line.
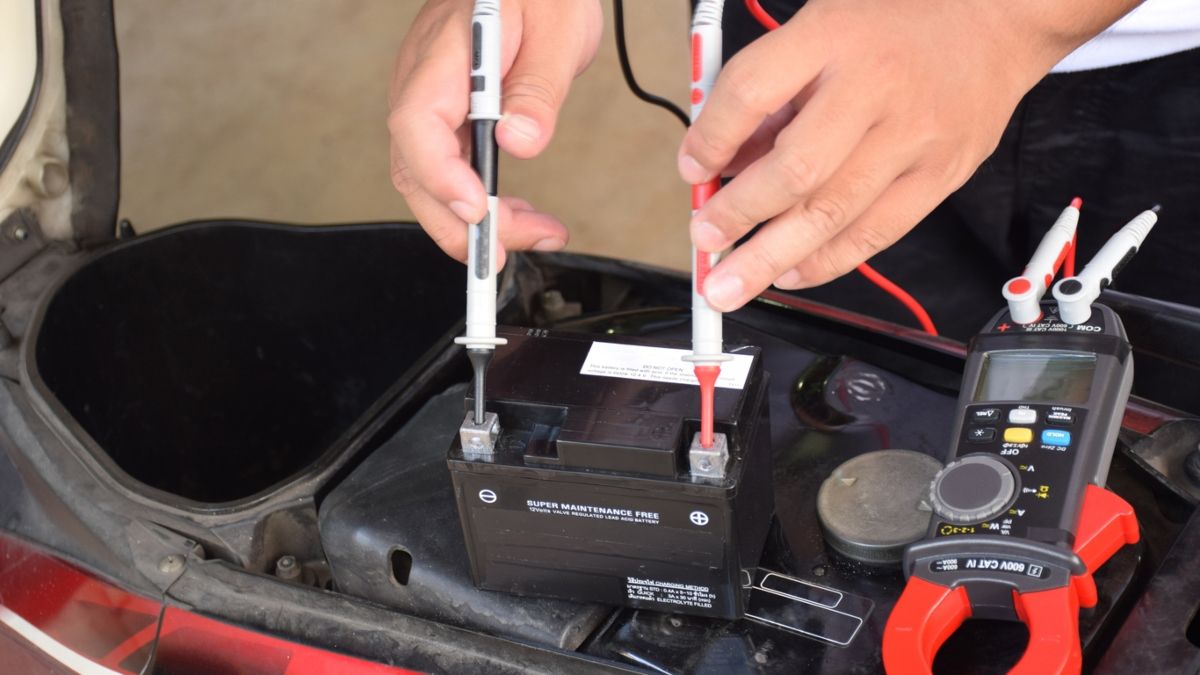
x=658 y=364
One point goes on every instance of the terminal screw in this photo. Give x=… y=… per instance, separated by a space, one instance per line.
x=708 y=464
x=479 y=440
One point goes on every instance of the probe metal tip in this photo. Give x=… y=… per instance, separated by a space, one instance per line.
x=480 y=358
x=1156 y=208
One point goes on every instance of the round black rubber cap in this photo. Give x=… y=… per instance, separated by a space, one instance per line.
x=874 y=505
x=972 y=489
x=1070 y=286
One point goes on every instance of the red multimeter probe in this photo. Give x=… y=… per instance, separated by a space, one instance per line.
x=1021 y=520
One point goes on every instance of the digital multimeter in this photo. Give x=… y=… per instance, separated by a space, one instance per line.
x=1020 y=517
x=1039 y=412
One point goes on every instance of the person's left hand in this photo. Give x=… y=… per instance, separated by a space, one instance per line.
x=852 y=121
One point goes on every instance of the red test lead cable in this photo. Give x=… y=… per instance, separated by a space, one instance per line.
x=900 y=294
x=761 y=15
x=1069 y=265
x=910 y=303
x=707 y=349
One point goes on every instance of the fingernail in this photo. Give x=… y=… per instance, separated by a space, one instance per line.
x=525 y=127
x=550 y=244
x=707 y=237
x=789 y=280
x=691 y=170
x=464 y=211
x=724 y=292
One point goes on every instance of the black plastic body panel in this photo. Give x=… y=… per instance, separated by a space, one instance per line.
x=232 y=369
x=271 y=360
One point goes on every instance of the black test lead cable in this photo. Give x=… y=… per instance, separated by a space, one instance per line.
x=627 y=68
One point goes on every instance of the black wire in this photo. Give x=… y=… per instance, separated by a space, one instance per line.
x=627 y=69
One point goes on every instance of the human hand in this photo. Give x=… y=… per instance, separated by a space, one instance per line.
x=546 y=43
x=852 y=121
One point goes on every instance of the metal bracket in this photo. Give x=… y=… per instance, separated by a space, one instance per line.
x=708 y=464
x=479 y=440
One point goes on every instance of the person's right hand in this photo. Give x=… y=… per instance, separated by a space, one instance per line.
x=546 y=44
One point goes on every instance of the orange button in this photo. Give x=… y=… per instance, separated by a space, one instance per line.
x=1018 y=435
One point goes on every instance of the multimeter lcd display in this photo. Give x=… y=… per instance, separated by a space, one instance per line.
x=1036 y=375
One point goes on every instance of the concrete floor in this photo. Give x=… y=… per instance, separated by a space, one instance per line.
x=276 y=111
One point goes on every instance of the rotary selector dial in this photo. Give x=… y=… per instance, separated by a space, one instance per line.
x=972 y=489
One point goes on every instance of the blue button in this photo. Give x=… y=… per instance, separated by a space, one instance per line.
x=1057 y=437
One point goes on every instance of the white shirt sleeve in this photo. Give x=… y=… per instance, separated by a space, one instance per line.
x=1154 y=28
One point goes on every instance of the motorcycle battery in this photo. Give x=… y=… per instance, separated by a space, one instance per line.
x=595 y=490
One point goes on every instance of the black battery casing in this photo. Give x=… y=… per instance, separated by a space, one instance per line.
x=588 y=495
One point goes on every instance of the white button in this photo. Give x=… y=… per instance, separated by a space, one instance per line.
x=1022 y=416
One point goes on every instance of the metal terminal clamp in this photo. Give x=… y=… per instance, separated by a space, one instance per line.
x=709 y=464
x=479 y=439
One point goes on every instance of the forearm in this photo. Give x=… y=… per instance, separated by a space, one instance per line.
x=1043 y=32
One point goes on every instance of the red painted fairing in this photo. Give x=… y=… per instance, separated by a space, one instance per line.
x=73 y=614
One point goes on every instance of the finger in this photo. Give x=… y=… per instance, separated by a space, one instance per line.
x=524 y=228
x=806 y=153
x=445 y=228
x=761 y=141
x=430 y=108
x=424 y=35
x=751 y=87
x=556 y=45
x=794 y=235
x=909 y=199
x=522 y=225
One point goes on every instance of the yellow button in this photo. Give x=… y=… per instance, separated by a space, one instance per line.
x=1018 y=435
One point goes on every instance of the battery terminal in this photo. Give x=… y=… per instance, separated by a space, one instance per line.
x=709 y=464
x=479 y=438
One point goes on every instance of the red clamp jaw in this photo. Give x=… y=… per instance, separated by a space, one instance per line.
x=927 y=613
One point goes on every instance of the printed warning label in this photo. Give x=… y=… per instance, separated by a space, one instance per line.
x=685 y=595
x=591 y=511
x=991 y=565
x=658 y=364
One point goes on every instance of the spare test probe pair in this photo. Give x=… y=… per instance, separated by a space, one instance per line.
x=1075 y=294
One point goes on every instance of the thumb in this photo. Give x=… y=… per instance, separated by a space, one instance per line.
x=549 y=58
